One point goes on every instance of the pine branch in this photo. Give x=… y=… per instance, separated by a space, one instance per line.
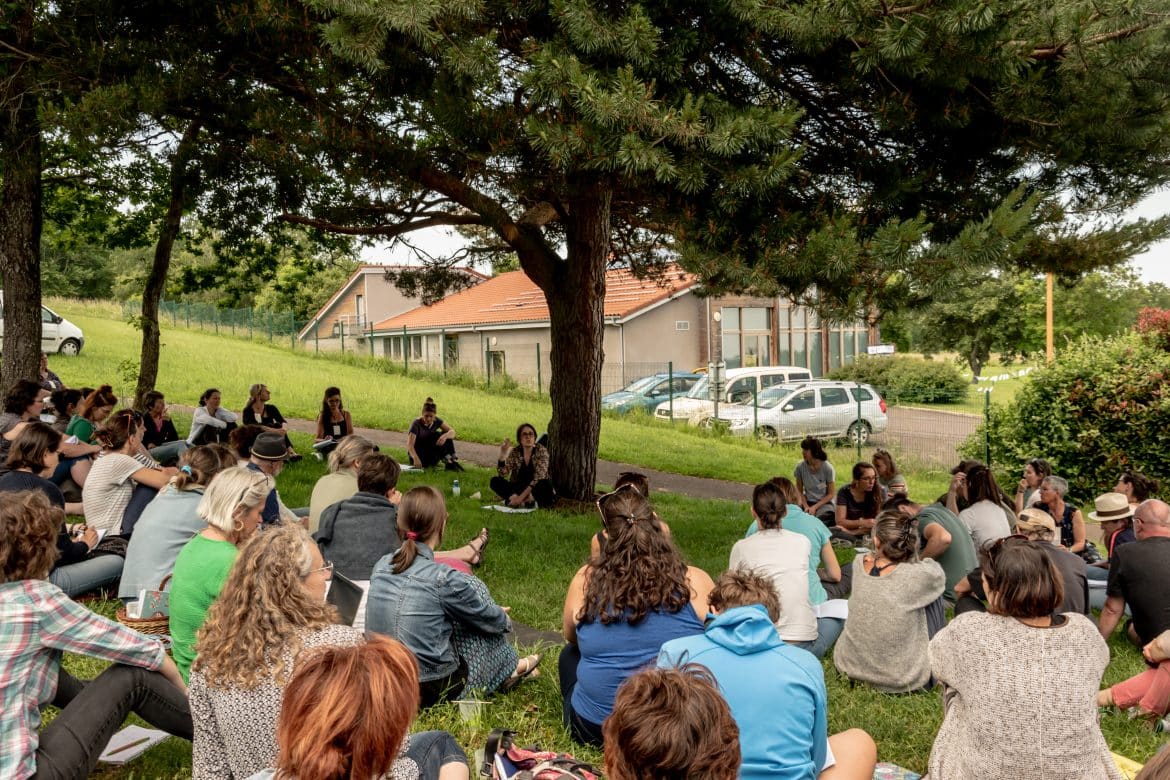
x=384 y=231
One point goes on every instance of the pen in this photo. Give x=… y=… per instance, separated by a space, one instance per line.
x=129 y=745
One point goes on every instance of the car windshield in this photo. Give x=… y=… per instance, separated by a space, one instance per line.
x=641 y=385
x=699 y=390
x=774 y=395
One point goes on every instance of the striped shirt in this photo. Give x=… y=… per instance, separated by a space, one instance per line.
x=37 y=623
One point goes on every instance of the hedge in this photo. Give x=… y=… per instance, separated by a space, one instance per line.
x=907 y=380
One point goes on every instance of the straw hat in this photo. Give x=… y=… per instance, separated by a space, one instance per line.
x=1111 y=506
x=1033 y=519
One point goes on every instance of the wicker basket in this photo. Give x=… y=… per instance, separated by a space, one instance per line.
x=155 y=625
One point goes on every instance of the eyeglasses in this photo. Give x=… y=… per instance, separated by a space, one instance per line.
x=527 y=433
x=327 y=567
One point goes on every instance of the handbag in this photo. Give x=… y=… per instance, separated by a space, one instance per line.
x=110 y=545
x=502 y=760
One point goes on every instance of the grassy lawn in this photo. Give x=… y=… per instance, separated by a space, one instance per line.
x=380 y=396
x=529 y=563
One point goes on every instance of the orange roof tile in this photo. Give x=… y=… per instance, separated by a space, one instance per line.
x=513 y=298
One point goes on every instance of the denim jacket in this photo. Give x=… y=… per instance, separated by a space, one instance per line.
x=420 y=606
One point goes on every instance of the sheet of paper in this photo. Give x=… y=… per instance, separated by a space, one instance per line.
x=509 y=510
x=833 y=608
x=130 y=743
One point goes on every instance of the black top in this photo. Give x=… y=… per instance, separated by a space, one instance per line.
x=153 y=434
x=855 y=510
x=15 y=481
x=424 y=433
x=269 y=418
x=1138 y=573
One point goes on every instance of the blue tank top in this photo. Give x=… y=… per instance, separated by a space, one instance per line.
x=611 y=653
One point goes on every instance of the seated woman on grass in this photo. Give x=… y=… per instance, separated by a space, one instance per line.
x=895 y=607
x=783 y=557
x=44 y=622
x=858 y=503
x=431 y=441
x=270 y=613
x=1145 y=695
x=621 y=607
x=211 y=422
x=259 y=412
x=119 y=487
x=341 y=481
x=522 y=477
x=447 y=618
x=159 y=436
x=32 y=456
x=231 y=507
x=347 y=714
x=334 y=423
x=1015 y=668
x=171 y=519
x=642 y=485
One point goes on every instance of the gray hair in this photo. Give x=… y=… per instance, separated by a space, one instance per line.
x=230 y=491
x=1059 y=484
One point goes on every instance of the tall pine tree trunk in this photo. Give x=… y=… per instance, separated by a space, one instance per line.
x=20 y=200
x=156 y=281
x=576 y=305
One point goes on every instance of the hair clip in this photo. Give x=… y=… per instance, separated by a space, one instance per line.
x=186 y=470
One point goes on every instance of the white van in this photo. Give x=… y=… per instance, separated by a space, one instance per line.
x=739 y=386
x=57 y=333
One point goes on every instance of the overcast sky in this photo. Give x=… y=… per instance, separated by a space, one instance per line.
x=1153 y=266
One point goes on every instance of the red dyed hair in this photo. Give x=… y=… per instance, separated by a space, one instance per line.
x=347 y=710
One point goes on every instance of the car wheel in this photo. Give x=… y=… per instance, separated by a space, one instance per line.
x=858 y=432
x=769 y=433
x=70 y=347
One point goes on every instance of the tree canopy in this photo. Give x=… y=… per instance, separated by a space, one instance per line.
x=861 y=152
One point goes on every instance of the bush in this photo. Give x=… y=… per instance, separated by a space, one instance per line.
x=907 y=380
x=1101 y=408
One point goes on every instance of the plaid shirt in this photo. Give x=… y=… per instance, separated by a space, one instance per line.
x=37 y=623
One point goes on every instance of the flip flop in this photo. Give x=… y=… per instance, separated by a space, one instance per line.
x=483 y=538
x=532 y=672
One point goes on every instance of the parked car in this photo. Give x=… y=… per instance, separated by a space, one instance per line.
x=823 y=409
x=57 y=333
x=649 y=391
x=740 y=384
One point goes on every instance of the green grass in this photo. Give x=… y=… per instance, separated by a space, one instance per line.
x=529 y=563
x=380 y=396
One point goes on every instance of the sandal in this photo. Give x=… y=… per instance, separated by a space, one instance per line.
x=483 y=539
x=531 y=671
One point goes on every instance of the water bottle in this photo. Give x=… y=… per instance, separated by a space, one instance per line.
x=455 y=488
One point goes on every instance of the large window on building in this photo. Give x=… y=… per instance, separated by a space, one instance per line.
x=747 y=336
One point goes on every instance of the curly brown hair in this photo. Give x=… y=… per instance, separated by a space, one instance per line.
x=262 y=608
x=639 y=569
x=29 y=525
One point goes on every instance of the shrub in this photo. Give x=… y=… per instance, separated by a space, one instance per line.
x=1101 y=408
x=907 y=380
x=1154 y=325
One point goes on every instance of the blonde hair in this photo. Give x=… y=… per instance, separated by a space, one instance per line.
x=261 y=612
x=350 y=450
x=232 y=490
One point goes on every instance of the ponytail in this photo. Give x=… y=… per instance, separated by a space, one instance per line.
x=421 y=514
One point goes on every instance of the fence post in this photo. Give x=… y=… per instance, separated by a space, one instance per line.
x=539 y=379
x=755 y=414
x=342 y=329
x=371 y=338
x=217 y=322
x=858 y=423
x=987 y=426
x=487 y=363
x=188 y=307
x=443 y=348
x=251 y=322
x=317 y=337
x=405 y=352
x=670 y=384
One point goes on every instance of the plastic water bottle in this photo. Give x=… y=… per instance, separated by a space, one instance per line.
x=455 y=488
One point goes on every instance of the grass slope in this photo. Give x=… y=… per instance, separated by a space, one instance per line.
x=380 y=396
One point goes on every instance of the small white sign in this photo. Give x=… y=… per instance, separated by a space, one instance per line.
x=880 y=349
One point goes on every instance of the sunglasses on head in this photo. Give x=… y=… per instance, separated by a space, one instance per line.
x=602 y=500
